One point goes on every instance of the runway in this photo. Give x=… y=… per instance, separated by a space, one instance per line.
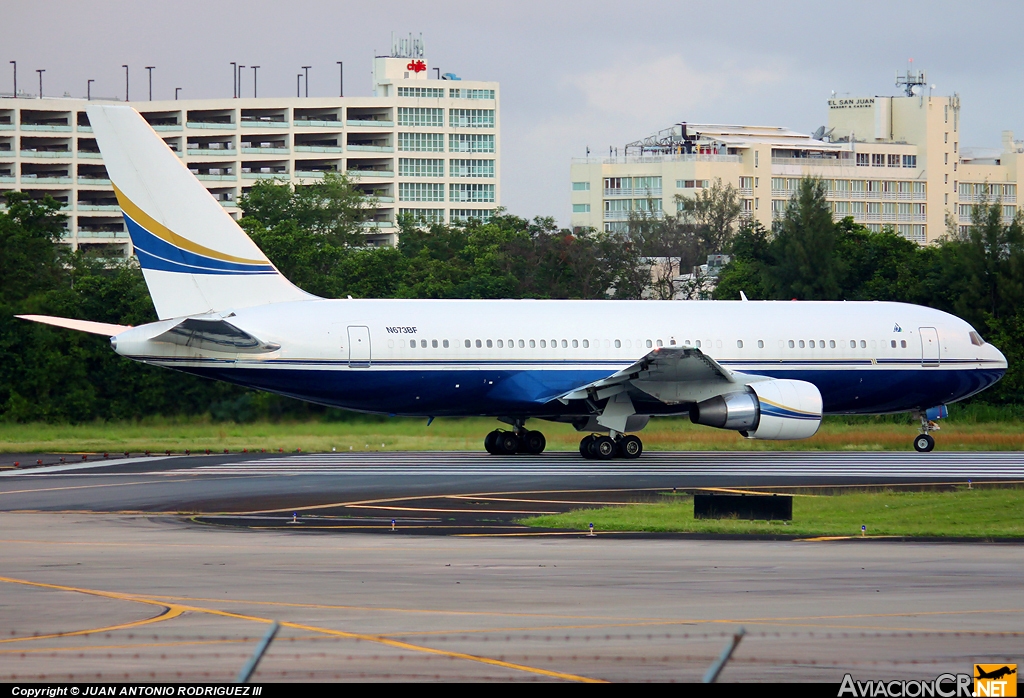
x=169 y=568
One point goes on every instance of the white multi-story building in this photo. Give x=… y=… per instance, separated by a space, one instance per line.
x=894 y=161
x=425 y=147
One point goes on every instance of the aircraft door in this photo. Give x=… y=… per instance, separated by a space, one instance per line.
x=358 y=346
x=929 y=346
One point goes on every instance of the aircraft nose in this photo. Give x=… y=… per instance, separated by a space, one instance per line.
x=997 y=355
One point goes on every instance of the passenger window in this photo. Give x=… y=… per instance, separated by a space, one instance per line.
x=523 y=344
x=433 y=343
x=832 y=344
x=412 y=344
x=649 y=344
x=489 y=344
x=802 y=344
x=445 y=343
x=478 y=344
x=739 y=343
x=586 y=343
x=812 y=344
x=893 y=344
x=760 y=344
x=821 y=343
x=903 y=344
x=575 y=343
x=543 y=344
x=467 y=344
x=863 y=344
x=853 y=343
x=660 y=343
x=672 y=342
x=511 y=343
x=533 y=344
x=618 y=343
x=565 y=344
x=500 y=344
x=629 y=344
x=554 y=343
x=791 y=344
x=697 y=344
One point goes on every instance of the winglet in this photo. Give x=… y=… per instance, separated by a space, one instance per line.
x=101 y=328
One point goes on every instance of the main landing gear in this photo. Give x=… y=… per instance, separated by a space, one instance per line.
x=600 y=447
x=506 y=443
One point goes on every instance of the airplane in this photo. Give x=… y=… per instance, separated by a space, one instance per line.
x=995 y=674
x=765 y=369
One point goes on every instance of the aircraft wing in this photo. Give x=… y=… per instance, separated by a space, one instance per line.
x=673 y=375
x=216 y=334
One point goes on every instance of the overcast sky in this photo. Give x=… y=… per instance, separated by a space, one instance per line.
x=572 y=74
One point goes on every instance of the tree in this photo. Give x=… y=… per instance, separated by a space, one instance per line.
x=806 y=266
x=713 y=212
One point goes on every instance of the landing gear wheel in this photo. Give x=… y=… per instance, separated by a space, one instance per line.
x=924 y=443
x=533 y=442
x=631 y=447
x=585 y=446
x=490 y=442
x=507 y=443
x=603 y=448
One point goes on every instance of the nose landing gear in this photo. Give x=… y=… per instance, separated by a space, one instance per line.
x=924 y=442
x=599 y=447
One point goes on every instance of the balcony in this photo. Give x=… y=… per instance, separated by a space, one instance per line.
x=93 y=181
x=89 y=155
x=265 y=175
x=617 y=215
x=370 y=173
x=211 y=151
x=745 y=192
x=317 y=123
x=51 y=154
x=371 y=148
x=657 y=159
x=370 y=123
x=216 y=177
x=815 y=162
x=210 y=124
x=111 y=208
x=267 y=151
x=318 y=149
x=45 y=179
x=632 y=192
x=260 y=123
x=52 y=128
x=271 y=118
x=6 y=126
x=7 y=179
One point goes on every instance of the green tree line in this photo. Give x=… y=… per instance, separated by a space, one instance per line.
x=314 y=234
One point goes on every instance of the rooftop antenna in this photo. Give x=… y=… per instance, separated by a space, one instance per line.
x=911 y=79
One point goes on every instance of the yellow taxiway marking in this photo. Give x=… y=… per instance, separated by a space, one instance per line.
x=453 y=511
x=311 y=628
x=85 y=487
x=731 y=490
x=538 y=501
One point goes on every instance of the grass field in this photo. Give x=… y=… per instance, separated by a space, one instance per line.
x=403 y=434
x=976 y=513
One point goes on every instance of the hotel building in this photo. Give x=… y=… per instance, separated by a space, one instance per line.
x=420 y=146
x=886 y=161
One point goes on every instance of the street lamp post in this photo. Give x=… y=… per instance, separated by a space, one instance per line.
x=254 y=69
x=15 y=64
x=88 y=89
x=341 y=79
x=306 y=68
x=176 y=91
x=125 y=82
x=41 y=82
x=150 y=69
x=234 y=80
x=298 y=85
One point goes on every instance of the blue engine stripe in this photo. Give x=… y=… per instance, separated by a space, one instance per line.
x=163 y=256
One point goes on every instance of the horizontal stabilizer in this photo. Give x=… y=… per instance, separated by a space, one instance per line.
x=214 y=334
x=102 y=328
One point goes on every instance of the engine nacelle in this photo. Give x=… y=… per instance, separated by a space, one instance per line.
x=773 y=409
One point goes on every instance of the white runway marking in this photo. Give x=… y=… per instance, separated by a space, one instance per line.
x=945 y=466
x=86 y=465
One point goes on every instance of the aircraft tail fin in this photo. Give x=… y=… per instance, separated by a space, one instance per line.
x=194 y=256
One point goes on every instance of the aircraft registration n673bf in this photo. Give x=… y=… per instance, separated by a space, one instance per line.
x=766 y=369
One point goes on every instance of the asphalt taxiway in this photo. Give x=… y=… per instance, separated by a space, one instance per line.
x=170 y=569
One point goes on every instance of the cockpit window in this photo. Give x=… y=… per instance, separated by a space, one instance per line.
x=976 y=339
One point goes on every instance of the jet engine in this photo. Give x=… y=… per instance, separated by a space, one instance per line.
x=772 y=409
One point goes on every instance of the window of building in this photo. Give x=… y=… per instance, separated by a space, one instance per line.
x=423 y=215
x=581 y=208
x=746 y=182
x=894 y=160
x=647 y=185
x=420 y=191
x=624 y=184
x=920 y=189
x=422 y=142
x=471 y=118
x=618 y=205
x=650 y=205
x=470 y=93
x=877 y=159
x=863 y=159
x=471 y=142
x=476 y=193
x=462 y=215
x=426 y=92
x=420 y=116
x=581 y=186
x=420 y=167
x=471 y=168
x=910 y=161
